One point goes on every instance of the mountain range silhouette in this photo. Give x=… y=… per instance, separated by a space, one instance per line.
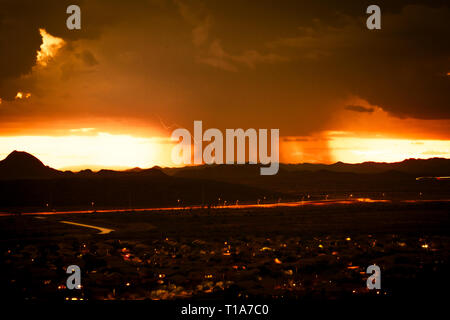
x=22 y=165
x=26 y=182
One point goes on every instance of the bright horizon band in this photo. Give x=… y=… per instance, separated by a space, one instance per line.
x=113 y=151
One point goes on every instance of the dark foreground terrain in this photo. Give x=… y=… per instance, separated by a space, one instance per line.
x=313 y=251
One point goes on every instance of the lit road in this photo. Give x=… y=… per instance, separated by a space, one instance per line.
x=102 y=230
x=193 y=207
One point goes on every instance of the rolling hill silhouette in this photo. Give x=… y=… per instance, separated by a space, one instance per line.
x=430 y=167
x=419 y=167
x=340 y=178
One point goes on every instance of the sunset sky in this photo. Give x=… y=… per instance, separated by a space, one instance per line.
x=110 y=95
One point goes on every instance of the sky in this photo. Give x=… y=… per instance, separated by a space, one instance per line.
x=110 y=95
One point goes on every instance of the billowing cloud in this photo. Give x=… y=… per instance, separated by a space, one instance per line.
x=49 y=47
x=211 y=51
x=218 y=57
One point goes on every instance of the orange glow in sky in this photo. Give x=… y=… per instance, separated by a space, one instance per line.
x=355 y=150
x=85 y=148
x=101 y=150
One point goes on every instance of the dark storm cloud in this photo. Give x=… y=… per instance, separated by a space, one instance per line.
x=401 y=68
x=20 y=21
x=20 y=39
x=406 y=64
x=218 y=59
